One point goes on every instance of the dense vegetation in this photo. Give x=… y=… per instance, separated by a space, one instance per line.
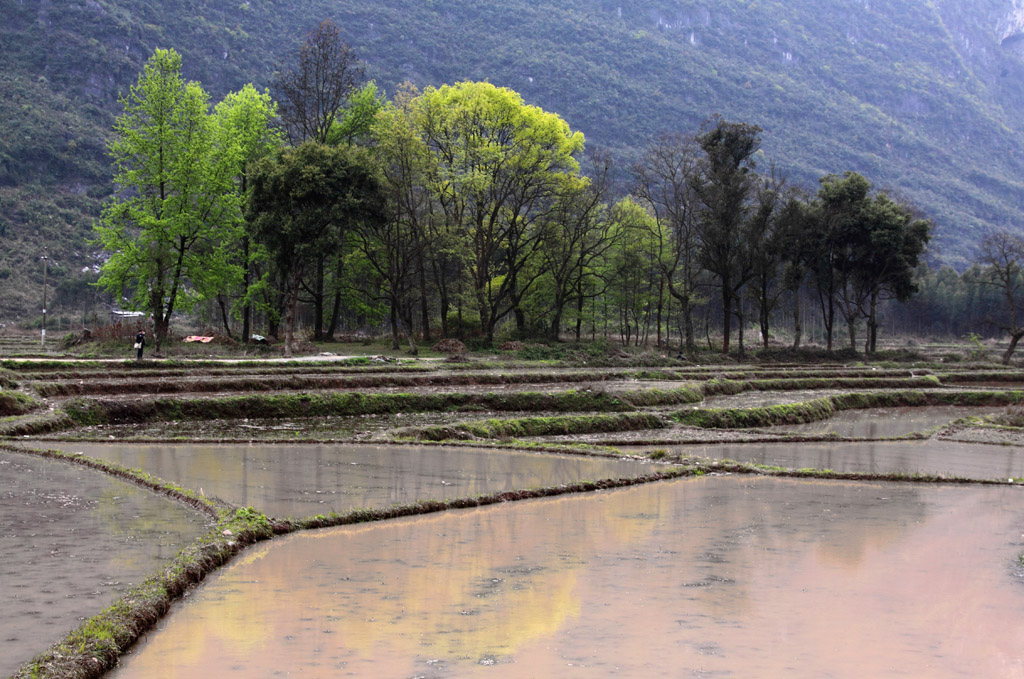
x=922 y=98
x=463 y=200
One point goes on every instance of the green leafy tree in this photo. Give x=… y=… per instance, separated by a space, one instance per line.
x=497 y=166
x=170 y=227
x=892 y=247
x=726 y=184
x=300 y=200
x=245 y=118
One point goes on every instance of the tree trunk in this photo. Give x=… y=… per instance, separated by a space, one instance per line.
x=797 y=326
x=872 y=333
x=726 y=315
x=224 y=315
x=424 y=307
x=394 y=326
x=1014 y=339
x=289 y=315
x=246 y=274
x=661 y=302
x=740 y=321
x=318 y=301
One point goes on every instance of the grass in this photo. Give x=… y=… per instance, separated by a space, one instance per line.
x=824 y=407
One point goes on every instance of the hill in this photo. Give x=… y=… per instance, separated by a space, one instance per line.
x=923 y=97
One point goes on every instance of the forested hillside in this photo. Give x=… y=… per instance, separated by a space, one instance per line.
x=923 y=98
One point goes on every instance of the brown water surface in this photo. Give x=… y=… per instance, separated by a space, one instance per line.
x=71 y=540
x=713 y=577
x=887 y=422
x=302 y=480
x=929 y=456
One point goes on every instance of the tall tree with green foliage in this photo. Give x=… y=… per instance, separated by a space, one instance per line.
x=245 y=118
x=170 y=227
x=498 y=165
x=892 y=247
x=725 y=186
x=301 y=200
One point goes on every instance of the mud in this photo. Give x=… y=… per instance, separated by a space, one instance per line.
x=72 y=540
x=302 y=480
x=966 y=460
x=722 y=577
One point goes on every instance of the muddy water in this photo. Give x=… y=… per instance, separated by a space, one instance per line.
x=71 y=540
x=722 y=577
x=302 y=480
x=969 y=460
x=348 y=428
x=887 y=422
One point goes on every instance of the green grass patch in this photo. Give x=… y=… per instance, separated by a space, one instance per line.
x=16 y=403
x=826 y=406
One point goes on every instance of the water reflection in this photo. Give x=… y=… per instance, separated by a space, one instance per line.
x=724 y=577
x=967 y=460
x=73 y=539
x=302 y=480
x=887 y=422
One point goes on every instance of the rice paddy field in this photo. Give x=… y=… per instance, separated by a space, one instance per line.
x=553 y=505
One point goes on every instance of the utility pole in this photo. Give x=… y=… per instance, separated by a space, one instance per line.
x=45 y=261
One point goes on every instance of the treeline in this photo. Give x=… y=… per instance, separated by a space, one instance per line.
x=462 y=211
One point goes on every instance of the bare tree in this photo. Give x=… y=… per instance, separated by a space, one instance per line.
x=665 y=181
x=1002 y=254
x=313 y=93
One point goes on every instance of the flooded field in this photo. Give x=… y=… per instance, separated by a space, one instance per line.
x=303 y=480
x=722 y=577
x=967 y=460
x=887 y=422
x=72 y=539
x=350 y=428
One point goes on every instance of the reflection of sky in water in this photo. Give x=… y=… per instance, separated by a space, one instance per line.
x=71 y=540
x=975 y=461
x=302 y=480
x=725 y=577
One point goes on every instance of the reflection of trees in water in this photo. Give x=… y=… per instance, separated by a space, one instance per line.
x=487 y=582
x=303 y=480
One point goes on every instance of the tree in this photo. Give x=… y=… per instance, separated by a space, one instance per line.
x=767 y=235
x=299 y=201
x=244 y=118
x=1002 y=255
x=665 y=180
x=394 y=247
x=170 y=227
x=867 y=249
x=577 y=235
x=895 y=240
x=725 y=185
x=313 y=94
x=497 y=167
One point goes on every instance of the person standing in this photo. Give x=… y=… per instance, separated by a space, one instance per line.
x=140 y=342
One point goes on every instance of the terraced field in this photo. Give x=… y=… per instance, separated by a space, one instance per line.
x=268 y=448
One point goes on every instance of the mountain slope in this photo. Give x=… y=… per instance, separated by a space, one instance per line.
x=925 y=98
